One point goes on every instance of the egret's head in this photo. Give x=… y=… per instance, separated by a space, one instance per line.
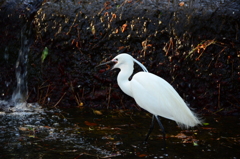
x=120 y=61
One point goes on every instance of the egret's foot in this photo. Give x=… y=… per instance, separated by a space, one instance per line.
x=145 y=142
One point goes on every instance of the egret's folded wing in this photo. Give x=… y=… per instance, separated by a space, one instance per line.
x=158 y=97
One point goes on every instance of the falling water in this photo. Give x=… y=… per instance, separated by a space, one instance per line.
x=21 y=92
x=18 y=103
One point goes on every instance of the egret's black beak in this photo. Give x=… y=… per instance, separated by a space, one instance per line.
x=105 y=63
x=108 y=62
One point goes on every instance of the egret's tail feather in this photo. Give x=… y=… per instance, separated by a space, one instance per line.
x=192 y=120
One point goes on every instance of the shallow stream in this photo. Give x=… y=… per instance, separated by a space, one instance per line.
x=88 y=133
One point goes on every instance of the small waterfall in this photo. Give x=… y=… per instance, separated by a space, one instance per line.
x=20 y=93
x=18 y=101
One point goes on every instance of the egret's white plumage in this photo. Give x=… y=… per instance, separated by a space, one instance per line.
x=153 y=93
x=162 y=99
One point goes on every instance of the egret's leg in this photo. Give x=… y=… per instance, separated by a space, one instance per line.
x=161 y=126
x=150 y=129
x=163 y=131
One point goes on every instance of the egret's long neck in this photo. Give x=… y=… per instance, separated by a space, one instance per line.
x=123 y=79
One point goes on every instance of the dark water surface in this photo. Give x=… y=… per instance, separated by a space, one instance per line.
x=87 y=133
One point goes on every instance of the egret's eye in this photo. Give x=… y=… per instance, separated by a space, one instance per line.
x=115 y=60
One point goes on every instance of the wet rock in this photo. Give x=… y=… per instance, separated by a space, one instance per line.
x=193 y=45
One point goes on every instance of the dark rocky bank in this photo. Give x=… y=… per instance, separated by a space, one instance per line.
x=194 y=45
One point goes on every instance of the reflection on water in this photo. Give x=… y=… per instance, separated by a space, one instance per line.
x=82 y=134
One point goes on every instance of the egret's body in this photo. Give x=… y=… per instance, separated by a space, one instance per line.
x=158 y=97
x=153 y=93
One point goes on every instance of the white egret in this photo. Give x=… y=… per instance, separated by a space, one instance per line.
x=153 y=94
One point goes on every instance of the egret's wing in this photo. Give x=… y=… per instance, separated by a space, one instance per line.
x=158 y=97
